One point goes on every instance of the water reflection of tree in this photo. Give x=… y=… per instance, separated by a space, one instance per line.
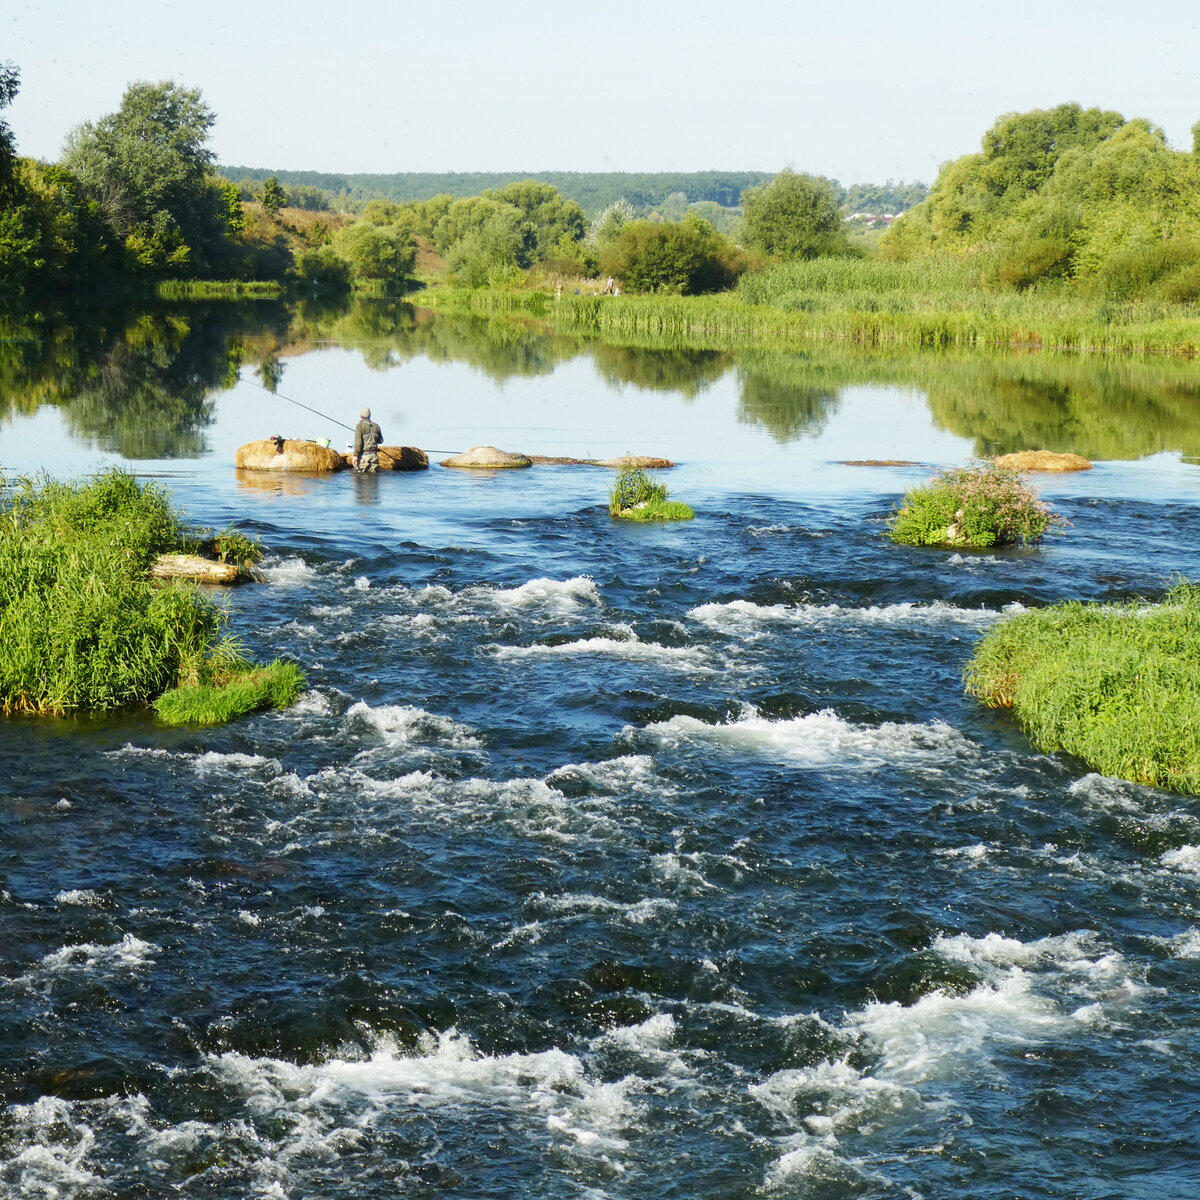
x=134 y=381
x=1100 y=408
x=673 y=369
x=788 y=394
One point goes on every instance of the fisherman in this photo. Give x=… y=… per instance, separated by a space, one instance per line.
x=367 y=439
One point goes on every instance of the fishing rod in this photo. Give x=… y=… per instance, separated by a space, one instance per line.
x=324 y=415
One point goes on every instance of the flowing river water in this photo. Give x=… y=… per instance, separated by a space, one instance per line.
x=605 y=861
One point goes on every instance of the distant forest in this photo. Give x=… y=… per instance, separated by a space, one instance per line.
x=592 y=191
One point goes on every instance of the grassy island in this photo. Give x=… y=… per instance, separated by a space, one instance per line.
x=636 y=496
x=975 y=507
x=1115 y=685
x=83 y=627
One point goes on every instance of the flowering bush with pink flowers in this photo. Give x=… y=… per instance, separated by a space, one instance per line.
x=977 y=506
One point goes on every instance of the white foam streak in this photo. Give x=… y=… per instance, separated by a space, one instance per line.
x=288 y=572
x=628 y=648
x=742 y=616
x=403 y=724
x=130 y=953
x=820 y=739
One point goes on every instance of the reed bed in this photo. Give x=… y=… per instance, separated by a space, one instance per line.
x=873 y=303
x=1118 y=686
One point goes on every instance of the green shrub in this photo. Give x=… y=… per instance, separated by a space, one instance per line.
x=972 y=506
x=1115 y=685
x=634 y=486
x=636 y=496
x=685 y=257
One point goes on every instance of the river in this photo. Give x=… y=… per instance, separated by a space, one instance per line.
x=599 y=861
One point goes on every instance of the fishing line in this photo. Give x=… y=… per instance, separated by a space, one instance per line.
x=319 y=413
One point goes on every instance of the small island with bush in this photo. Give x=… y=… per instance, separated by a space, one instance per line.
x=976 y=507
x=87 y=630
x=637 y=496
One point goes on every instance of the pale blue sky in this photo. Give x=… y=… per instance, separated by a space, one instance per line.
x=858 y=91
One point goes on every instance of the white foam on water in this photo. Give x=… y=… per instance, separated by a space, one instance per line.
x=1186 y=858
x=288 y=572
x=1186 y=944
x=551 y=1088
x=328 y=611
x=212 y=760
x=624 y=774
x=402 y=724
x=1029 y=995
x=362 y=584
x=311 y=704
x=627 y=647
x=130 y=953
x=976 y=853
x=47 y=1147
x=821 y=739
x=637 y=912
x=83 y=896
x=742 y=616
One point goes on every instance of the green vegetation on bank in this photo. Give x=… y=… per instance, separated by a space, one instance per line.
x=1115 y=685
x=82 y=628
x=976 y=507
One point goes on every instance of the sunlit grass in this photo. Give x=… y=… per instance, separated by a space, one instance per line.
x=1115 y=685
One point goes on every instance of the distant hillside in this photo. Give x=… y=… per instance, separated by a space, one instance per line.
x=593 y=191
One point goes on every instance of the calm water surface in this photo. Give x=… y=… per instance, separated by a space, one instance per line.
x=602 y=861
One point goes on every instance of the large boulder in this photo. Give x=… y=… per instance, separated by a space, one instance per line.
x=288 y=454
x=1043 y=460
x=398 y=458
x=487 y=457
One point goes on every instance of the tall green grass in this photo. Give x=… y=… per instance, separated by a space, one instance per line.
x=875 y=303
x=81 y=625
x=1115 y=685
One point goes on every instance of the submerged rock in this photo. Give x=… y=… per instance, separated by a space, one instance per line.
x=487 y=456
x=634 y=460
x=1043 y=460
x=398 y=458
x=287 y=454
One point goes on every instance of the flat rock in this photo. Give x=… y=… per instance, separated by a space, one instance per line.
x=398 y=458
x=294 y=455
x=487 y=456
x=1043 y=460
x=878 y=462
x=634 y=460
x=194 y=569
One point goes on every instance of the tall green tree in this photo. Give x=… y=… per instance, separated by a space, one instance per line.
x=272 y=197
x=794 y=216
x=147 y=167
x=10 y=81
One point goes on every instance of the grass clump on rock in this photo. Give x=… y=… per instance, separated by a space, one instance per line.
x=82 y=627
x=637 y=496
x=1115 y=685
x=973 y=507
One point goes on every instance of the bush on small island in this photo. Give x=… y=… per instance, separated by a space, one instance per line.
x=973 y=507
x=636 y=496
x=1116 y=685
x=84 y=628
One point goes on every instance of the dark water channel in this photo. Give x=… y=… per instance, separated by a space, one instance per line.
x=599 y=861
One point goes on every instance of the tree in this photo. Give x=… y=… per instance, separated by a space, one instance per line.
x=10 y=81
x=380 y=252
x=146 y=166
x=683 y=257
x=794 y=216
x=272 y=197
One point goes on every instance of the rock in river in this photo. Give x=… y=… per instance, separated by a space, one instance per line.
x=488 y=457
